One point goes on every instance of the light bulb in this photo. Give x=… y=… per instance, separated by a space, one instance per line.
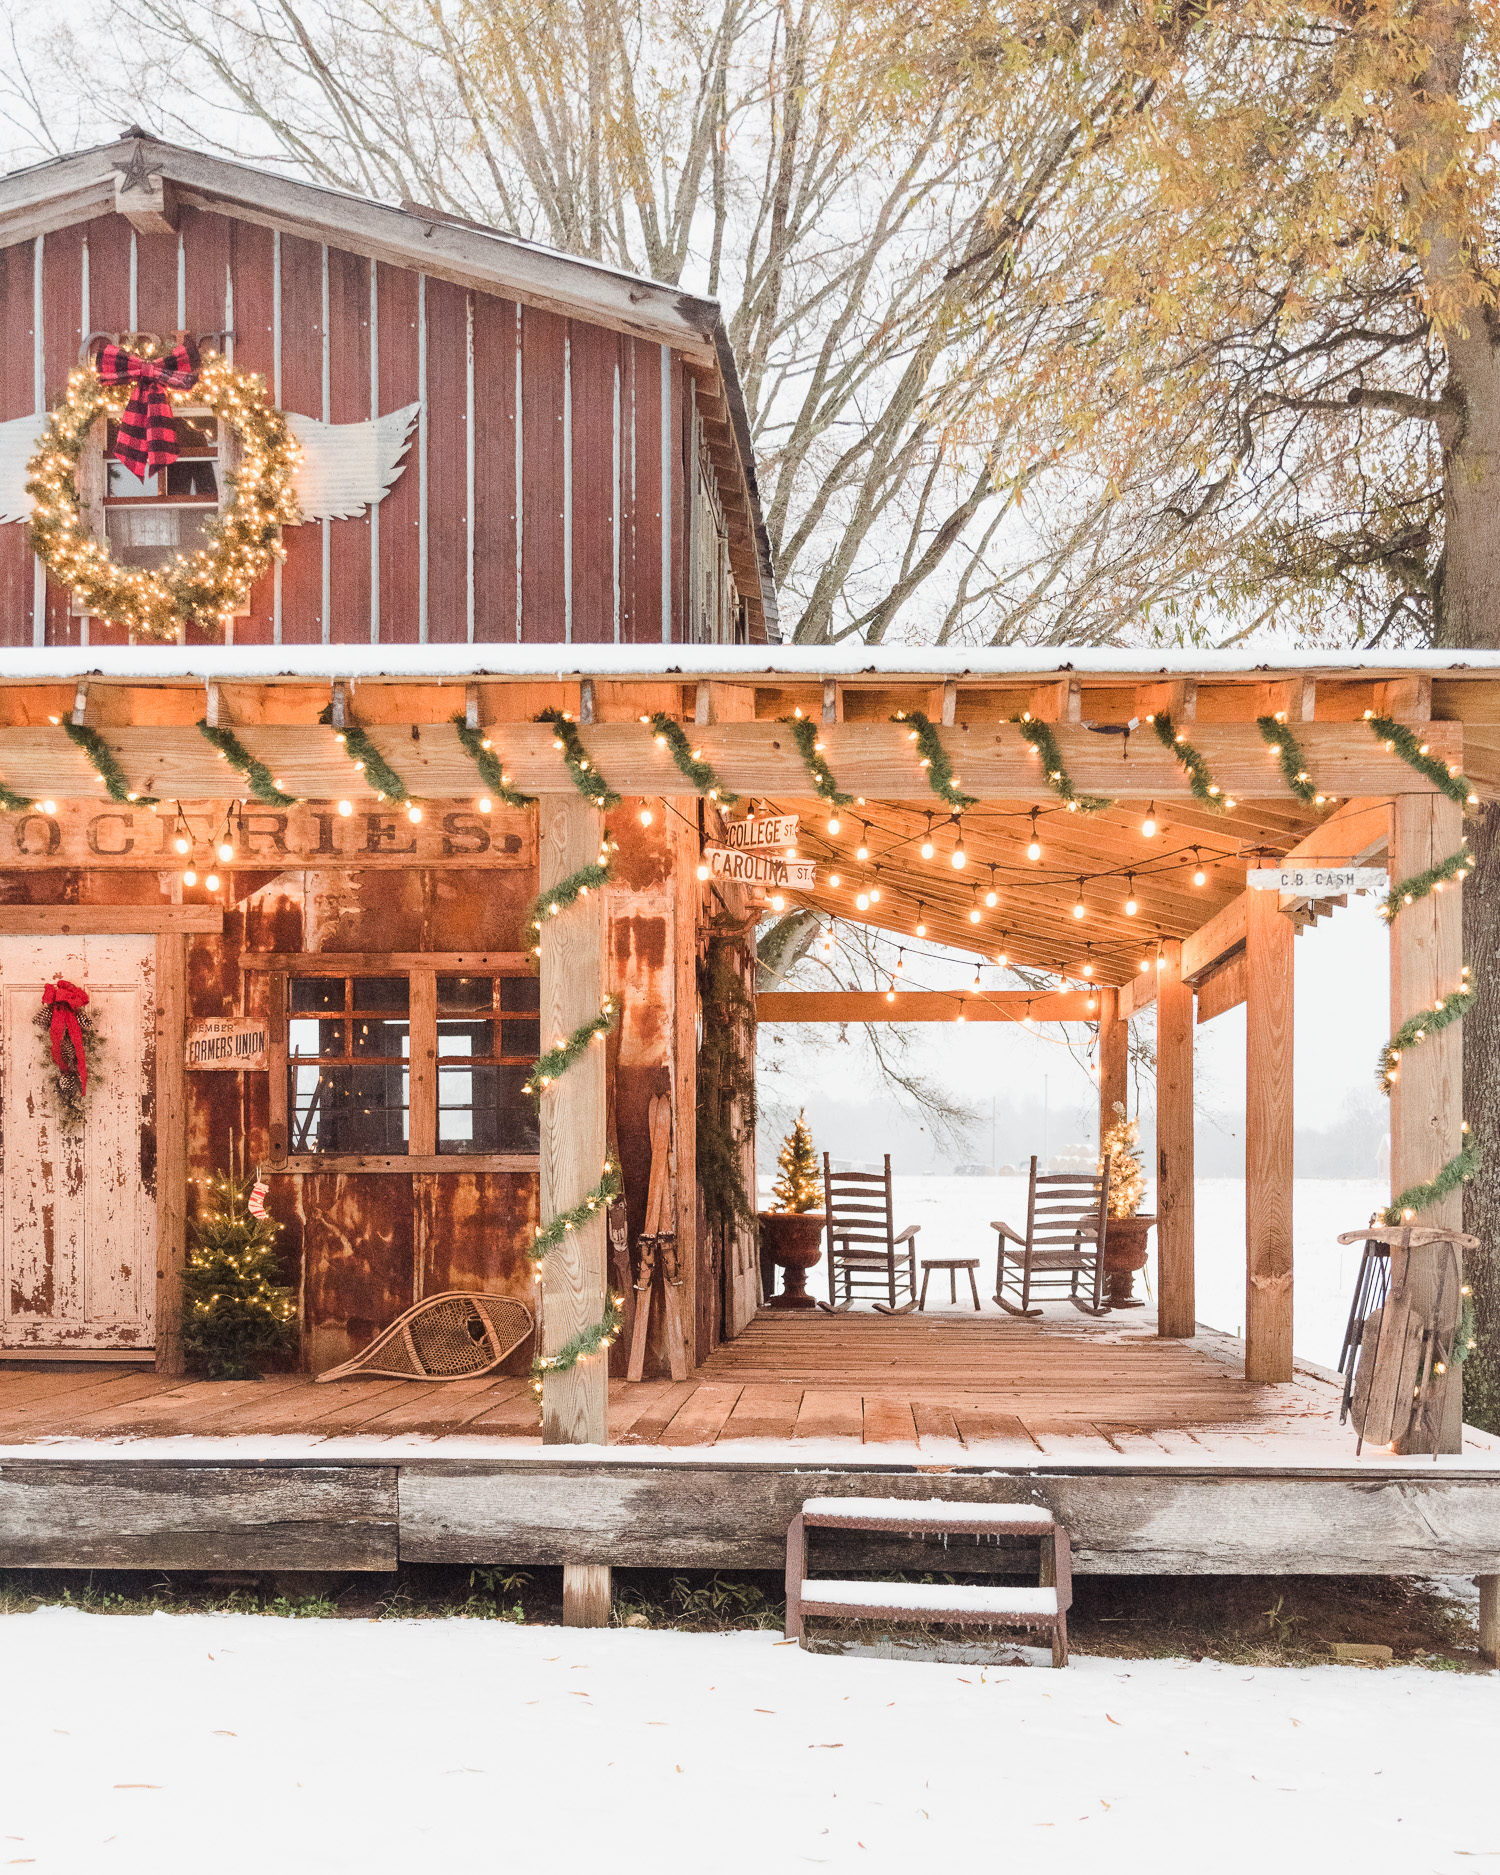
x=1148 y=825
x=1088 y=970
x=1001 y=959
x=862 y=851
x=927 y=840
x=874 y=894
x=190 y=877
x=862 y=900
x=484 y=804
x=921 y=926
x=1131 y=907
x=900 y=961
x=183 y=845
x=960 y=858
x=1034 y=851
x=226 y=851
x=834 y=823
x=413 y=812
x=49 y=807
x=1145 y=966
x=778 y=903
x=1200 y=877
x=212 y=882
x=346 y=808
x=646 y=816
x=702 y=872
x=974 y=914
x=833 y=878
x=977 y=985
x=1078 y=910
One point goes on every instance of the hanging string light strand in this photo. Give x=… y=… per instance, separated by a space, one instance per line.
x=1421 y=1028
x=1454 y=869
x=558 y=1059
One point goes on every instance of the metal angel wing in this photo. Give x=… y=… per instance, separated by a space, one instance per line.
x=18 y=441
x=346 y=467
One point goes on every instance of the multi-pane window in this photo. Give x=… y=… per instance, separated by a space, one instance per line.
x=351 y=1042
x=149 y=520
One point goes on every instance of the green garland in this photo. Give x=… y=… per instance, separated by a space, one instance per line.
x=378 y=771
x=1200 y=780
x=14 y=803
x=558 y=1060
x=586 y=778
x=1289 y=758
x=258 y=777
x=703 y=776
x=1454 y=1175
x=106 y=767
x=1456 y=866
x=549 y=1237
x=805 y=735
x=935 y=761
x=1419 y=1028
x=1041 y=738
x=567 y=892
x=578 y=1347
x=491 y=772
x=1401 y=741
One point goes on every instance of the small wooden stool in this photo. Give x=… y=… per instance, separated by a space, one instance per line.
x=953 y=1265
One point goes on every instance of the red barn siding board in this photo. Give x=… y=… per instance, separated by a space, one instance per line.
x=400 y=512
x=495 y=341
x=447 y=463
x=641 y=549
x=109 y=273
x=156 y=285
x=349 y=402
x=595 y=359
x=62 y=310
x=543 y=365
x=680 y=486
x=17 y=398
x=206 y=254
x=302 y=391
x=249 y=249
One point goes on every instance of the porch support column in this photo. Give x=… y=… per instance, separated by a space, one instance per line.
x=1176 y=1307
x=1269 y=937
x=1427 y=1098
x=574 y=1403
x=1114 y=1051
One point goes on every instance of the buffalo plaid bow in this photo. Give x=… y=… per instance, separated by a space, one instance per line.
x=147 y=437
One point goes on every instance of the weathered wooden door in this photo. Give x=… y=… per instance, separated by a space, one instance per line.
x=78 y=1204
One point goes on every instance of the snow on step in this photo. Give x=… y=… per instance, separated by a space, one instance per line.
x=932 y=1598
x=933 y=1513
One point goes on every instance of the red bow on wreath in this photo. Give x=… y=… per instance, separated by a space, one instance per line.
x=65 y=999
x=147 y=438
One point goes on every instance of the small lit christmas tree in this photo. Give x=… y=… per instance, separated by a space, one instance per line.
x=236 y=1313
x=798 y=1188
x=1127 y=1176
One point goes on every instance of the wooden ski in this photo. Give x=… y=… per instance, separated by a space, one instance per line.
x=659 y=1117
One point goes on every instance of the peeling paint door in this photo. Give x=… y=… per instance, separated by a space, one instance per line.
x=78 y=1204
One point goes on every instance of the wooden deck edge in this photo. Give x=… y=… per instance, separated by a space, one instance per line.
x=1125 y=1520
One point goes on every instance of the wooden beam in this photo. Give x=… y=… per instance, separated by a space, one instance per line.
x=1176 y=1307
x=339 y=1165
x=1359 y=830
x=1489 y=1619
x=171 y=1148
x=1427 y=1098
x=1114 y=1058
x=927 y=1006
x=109 y=920
x=1224 y=932
x=754 y=757
x=1223 y=988
x=382 y=963
x=1268 y=1140
x=574 y=1403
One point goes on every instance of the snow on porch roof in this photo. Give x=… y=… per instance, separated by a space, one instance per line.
x=769 y=664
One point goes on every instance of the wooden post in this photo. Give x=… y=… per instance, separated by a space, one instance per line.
x=1176 y=1307
x=171 y=1148
x=1489 y=1612
x=1427 y=1097
x=1268 y=1138
x=1114 y=1057
x=574 y=1404
x=586 y=1595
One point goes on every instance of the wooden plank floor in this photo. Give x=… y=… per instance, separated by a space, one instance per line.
x=949 y=1381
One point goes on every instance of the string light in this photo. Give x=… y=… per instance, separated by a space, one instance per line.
x=834 y=823
x=1131 y=908
x=212 y=882
x=646 y=816
x=833 y=879
x=484 y=804
x=960 y=1017
x=974 y=912
x=1079 y=909
x=992 y=897
x=1000 y=956
x=875 y=888
x=862 y=851
x=1034 y=850
x=927 y=839
x=346 y=808
x=1088 y=961
x=921 y=922
x=190 y=877
x=1200 y=877
x=1148 y=825
x=960 y=857
x=900 y=961
x=862 y=901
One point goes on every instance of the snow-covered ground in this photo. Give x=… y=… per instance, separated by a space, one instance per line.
x=242 y=1744
x=955 y=1216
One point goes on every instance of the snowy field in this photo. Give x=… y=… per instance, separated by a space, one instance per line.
x=955 y=1216
x=237 y=1745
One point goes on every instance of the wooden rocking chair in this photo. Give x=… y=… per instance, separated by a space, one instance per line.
x=1063 y=1249
x=865 y=1250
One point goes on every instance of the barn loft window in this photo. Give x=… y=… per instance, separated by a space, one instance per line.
x=351 y=1040
x=149 y=520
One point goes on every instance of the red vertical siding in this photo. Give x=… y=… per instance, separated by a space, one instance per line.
x=254 y=350
x=62 y=311
x=109 y=274
x=495 y=350
x=640 y=551
x=302 y=391
x=543 y=364
x=595 y=364
x=401 y=511
x=156 y=285
x=349 y=338
x=447 y=463
x=17 y=398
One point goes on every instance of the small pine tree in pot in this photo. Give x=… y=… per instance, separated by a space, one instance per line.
x=1128 y=1227
x=237 y=1315
x=791 y=1233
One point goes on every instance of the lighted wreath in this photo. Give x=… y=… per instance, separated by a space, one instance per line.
x=209 y=585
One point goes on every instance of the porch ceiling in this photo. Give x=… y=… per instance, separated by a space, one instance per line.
x=1033 y=922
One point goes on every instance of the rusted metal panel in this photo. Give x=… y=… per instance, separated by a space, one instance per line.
x=543 y=575
x=77 y=1213
x=497 y=338
x=473 y=1232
